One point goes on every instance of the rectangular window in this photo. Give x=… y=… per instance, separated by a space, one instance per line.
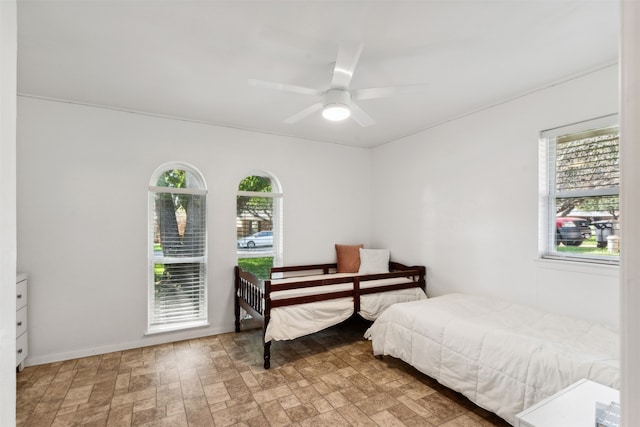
x=178 y=295
x=256 y=247
x=579 y=182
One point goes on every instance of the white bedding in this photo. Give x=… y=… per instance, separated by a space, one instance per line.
x=503 y=356
x=294 y=321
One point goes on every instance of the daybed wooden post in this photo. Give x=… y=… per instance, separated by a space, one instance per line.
x=267 y=317
x=236 y=297
x=356 y=295
x=423 y=278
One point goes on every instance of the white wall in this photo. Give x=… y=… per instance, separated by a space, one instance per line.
x=462 y=198
x=83 y=174
x=8 y=57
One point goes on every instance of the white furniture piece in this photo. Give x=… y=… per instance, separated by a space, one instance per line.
x=574 y=406
x=503 y=356
x=22 y=344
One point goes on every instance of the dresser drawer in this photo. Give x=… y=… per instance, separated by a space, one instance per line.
x=21 y=321
x=22 y=348
x=21 y=294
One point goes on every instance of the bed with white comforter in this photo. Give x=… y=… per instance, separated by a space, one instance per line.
x=294 y=321
x=300 y=300
x=502 y=356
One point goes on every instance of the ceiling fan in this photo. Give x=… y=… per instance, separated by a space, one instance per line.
x=337 y=102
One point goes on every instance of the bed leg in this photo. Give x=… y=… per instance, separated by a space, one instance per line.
x=236 y=297
x=237 y=313
x=267 y=355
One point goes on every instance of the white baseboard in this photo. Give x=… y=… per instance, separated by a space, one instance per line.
x=145 y=341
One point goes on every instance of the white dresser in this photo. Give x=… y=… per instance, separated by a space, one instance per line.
x=22 y=344
x=574 y=406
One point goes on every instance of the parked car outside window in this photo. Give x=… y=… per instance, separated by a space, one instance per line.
x=572 y=231
x=261 y=238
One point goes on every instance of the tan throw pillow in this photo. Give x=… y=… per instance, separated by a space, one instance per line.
x=348 y=258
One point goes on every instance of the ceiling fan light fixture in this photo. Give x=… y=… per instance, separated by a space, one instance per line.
x=336 y=112
x=336 y=105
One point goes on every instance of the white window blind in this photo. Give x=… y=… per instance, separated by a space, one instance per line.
x=580 y=180
x=178 y=250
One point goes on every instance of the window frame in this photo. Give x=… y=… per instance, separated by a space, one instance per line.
x=547 y=188
x=200 y=189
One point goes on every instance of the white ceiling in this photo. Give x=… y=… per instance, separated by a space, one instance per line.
x=192 y=59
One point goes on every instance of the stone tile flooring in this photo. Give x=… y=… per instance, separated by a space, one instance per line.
x=329 y=378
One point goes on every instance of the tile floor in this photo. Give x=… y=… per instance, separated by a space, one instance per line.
x=327 y=379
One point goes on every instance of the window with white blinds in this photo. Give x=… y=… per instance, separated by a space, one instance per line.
x=259 y=224
x=580 y=178
x=177 y=249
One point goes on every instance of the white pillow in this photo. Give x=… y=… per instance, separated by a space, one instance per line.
x=374 y=261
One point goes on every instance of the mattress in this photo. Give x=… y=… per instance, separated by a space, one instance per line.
x=294 y=321
x=503 y=356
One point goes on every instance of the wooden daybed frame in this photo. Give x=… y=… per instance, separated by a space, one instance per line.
x=254 y=295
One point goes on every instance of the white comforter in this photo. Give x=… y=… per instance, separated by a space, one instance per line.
x=295 y=321
x=503 y=356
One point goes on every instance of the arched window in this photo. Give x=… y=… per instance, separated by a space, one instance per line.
x=259 y=224
x=177 y=248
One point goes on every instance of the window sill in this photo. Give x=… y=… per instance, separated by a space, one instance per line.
x=579 y=266
x=160 y=329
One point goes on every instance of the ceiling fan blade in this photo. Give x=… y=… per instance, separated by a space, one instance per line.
x=348 y=56
x=362 y=118
x=286 y=87
x=304 y=113
x=389 y=91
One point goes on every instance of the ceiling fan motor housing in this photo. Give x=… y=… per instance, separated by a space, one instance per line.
x=338 y=97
